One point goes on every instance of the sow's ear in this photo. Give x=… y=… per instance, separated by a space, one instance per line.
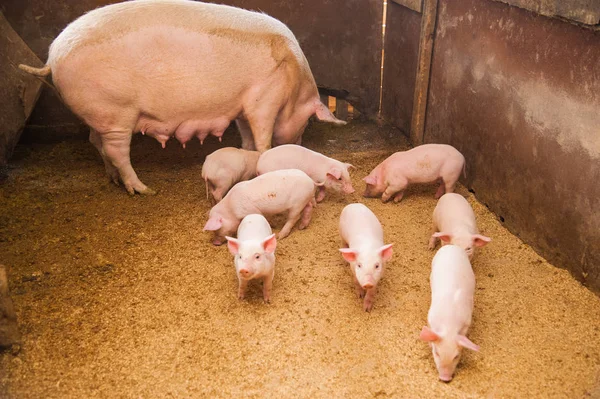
x=269 y=244
x=428 y=335
x=349 y=254
x=213 y=224
x=233 y=245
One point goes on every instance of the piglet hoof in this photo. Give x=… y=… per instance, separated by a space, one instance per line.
x=368 y=306
x=282 y=235
x=267 y=300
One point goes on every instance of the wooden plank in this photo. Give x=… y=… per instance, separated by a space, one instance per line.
x=18 y=91
x=415 y=5
x=341 y=109
x=423 y=71
x=9 y=329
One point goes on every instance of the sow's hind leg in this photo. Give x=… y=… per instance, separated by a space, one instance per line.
x=115 y=146
x=112 y=172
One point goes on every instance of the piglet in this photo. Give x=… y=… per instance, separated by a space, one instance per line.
x=333 y=173
x=363 y=235
x=289 y=190
x=454 y=223
x=226 y=167
x=426 y=163
x=452 y=288
x=254 y=254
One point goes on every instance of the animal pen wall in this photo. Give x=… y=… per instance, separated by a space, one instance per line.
x=513 y=84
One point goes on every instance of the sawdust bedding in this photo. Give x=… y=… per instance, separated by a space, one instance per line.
x=121 y=296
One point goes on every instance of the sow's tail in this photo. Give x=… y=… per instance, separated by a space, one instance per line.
x=39 y=73
x=324 y=115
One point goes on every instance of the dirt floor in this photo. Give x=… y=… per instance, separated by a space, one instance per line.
x=121 y=296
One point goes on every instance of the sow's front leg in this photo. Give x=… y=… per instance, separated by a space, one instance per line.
x=246 y=134
x=115 y=146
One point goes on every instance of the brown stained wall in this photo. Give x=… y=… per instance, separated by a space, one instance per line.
x=403 y=27
x=342 y=42
x=519 y=95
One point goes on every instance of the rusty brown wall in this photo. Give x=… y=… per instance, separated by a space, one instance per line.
x=341 y=40
x=403 y=27
x=519 y=95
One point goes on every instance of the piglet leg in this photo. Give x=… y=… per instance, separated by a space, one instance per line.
x=320 y=194
x=358 y=289
x=306 y=214
x=369 y=299
x=267 y=287
x=440 y=191
x=391 y=190
x=243 y=284
x=293 y=217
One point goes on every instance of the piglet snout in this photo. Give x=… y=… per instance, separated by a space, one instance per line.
x=446 y=377
x=368 y=285
x=245 y=273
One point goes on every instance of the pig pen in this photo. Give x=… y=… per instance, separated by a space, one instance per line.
x=121 y=296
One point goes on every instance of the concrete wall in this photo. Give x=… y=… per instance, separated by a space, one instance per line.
x=519 y=94
x=345 y=58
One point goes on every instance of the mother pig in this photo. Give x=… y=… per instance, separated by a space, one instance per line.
x=181 y=68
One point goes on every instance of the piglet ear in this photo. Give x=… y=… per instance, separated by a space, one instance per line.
x=480 y=240
x=428 y=335
x=445 y=237
x=386 y=252
x=233 y=245
x=349 y=254
x=269 y=244
x=466 y=343
x=336 y=173
x=370 y=180
x=213 y=224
